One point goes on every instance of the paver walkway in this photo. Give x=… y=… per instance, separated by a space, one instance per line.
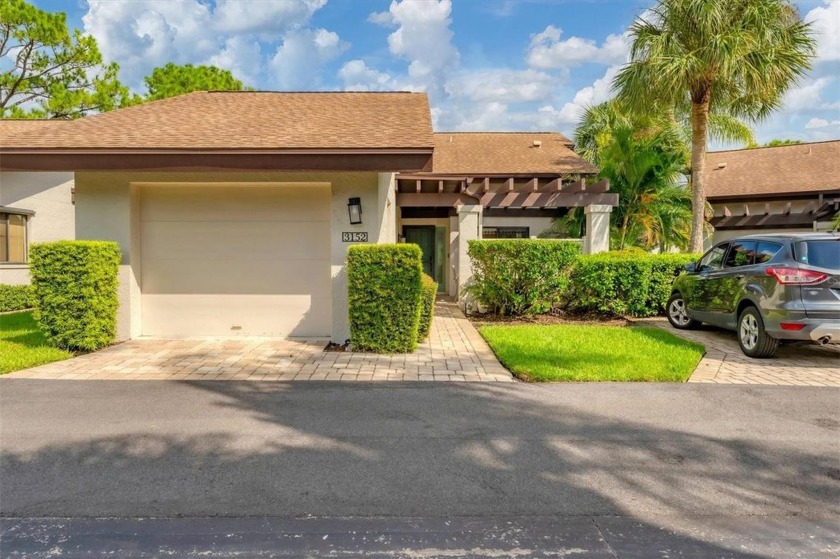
x=797 y=365
x=454 y=351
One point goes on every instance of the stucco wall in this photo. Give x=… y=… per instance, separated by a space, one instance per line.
x=49 y=195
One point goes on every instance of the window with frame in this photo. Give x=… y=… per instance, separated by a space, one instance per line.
x=506 y=232
x=713 y=260
x=742 y=253
x=13 y=237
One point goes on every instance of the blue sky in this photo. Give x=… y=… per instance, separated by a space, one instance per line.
x=486 y=64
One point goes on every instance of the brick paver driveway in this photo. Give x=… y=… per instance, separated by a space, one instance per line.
x=454 y=351
x=804 y=365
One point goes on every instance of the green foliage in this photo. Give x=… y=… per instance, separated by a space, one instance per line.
x=623 y=283
x=172 y=80
x=76 y=287
x=61 y=73
x=522 y=276
x=384 y=292
x=589 y=353
x=427 y=306
x=16 y=297
x=777 y=142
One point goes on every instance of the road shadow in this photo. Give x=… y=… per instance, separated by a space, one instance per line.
x=408 y=450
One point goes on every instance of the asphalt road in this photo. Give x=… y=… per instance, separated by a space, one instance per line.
x=715 y=467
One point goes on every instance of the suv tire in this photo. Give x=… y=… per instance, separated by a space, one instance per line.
x=677 y=316
x=752 y=337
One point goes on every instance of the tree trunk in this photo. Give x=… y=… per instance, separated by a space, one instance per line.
x=699 y=134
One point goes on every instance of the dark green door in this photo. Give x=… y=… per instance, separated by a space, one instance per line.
x=425 y=238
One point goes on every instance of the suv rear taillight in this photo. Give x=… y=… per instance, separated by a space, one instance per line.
x=795 y=276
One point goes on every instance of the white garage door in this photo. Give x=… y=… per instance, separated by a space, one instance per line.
x=235 y=260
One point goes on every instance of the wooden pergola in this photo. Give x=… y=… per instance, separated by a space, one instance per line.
x=821 y=208
x=495 y=192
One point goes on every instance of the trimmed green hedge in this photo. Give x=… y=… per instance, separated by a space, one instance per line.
x=384 y=289
x=75 y=285
x=625 y=282
x=428 y=294
x=523 y=276
x=16 y=297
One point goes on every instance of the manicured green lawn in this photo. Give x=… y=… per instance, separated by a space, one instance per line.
x=569 y=352
x=22 y=345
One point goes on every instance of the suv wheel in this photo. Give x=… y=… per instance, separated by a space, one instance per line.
x=677 y=313
x=753 y=339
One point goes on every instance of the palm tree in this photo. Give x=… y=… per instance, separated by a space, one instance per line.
x=714 y=58
x=653 y=210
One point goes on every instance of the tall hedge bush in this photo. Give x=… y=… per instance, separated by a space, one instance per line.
x=16 y=297
x=625 y=282
x=384 y=288
x=75 y=286
x=428 y=293
x=523 y=276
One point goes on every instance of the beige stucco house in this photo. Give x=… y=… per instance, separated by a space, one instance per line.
x=234 y=210
x=793 y=188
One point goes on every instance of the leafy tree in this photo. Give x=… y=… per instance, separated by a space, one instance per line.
x=776 y=143
x=714 y=57
x=172 y=80
x=49 y=72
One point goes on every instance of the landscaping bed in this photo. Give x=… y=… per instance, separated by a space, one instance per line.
x=22 y=345
x=576 y=352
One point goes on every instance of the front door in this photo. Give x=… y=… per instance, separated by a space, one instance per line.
x=424 y=237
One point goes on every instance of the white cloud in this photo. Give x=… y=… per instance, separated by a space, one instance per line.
x=423 y=38
x=826 y=24
x=549 y=50
x=295 y=64
x=276 y=16
x=239 y=36
x=242 y=56
x=385 y=19
x=821 y=123
x=501 y=84
x=807 y=96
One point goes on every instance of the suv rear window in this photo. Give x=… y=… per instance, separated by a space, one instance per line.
x=823 y=254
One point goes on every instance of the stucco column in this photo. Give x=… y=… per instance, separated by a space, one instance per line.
x=469 y=228
x=597 y=237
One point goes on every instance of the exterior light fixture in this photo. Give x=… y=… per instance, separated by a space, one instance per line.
x=354 y=207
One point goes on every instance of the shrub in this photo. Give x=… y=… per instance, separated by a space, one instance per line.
x=16 y=297
x=625 y=282
x=75 y=285
x=524 y=276
x=384 y=287
x=427 y=306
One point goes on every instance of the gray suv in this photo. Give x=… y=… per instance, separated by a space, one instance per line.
x=767 y=288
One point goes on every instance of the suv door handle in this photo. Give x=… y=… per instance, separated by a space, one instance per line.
x=739 y=276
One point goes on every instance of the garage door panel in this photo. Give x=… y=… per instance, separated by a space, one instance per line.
x=228 y=241
x=234 y=315
x=247 y=203
x=222 y=261
x=286 y=277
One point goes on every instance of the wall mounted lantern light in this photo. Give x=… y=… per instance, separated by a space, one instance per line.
x=354 y=206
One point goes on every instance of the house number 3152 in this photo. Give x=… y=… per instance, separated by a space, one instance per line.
x=354 y=237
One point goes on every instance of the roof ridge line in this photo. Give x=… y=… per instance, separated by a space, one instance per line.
x=800 y=144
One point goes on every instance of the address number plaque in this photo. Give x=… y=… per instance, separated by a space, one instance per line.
x=354 y=237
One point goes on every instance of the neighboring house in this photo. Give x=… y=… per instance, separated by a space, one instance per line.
x=234 y=210
x=33 y=207
x=774 y=189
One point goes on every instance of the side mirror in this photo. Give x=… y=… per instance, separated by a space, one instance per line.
x=691 y=267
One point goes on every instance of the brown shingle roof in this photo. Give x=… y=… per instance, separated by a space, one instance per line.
x=251 y=120
x=792 y=169
x=15 y=132
x=506 y=153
